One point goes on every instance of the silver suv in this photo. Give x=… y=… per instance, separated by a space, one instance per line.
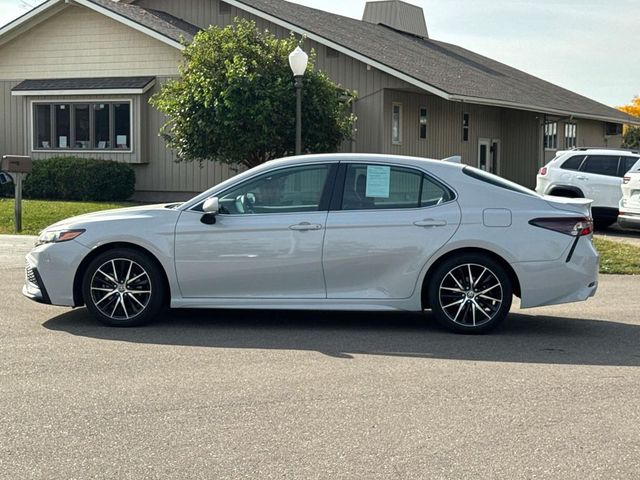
x=594 y=173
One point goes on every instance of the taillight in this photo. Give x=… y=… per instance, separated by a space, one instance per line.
x=543 y=171
x=574 y=226
x=626 y=180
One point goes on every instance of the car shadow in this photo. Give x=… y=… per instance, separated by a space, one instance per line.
x=523 y=338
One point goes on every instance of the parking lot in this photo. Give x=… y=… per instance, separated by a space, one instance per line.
x=553 y=394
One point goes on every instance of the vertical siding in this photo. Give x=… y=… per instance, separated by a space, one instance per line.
x=12 y=121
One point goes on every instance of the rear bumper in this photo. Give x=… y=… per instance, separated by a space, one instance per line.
x=559 y=281
x=629 y=220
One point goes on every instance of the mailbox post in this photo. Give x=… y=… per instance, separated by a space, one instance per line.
x=18 y=167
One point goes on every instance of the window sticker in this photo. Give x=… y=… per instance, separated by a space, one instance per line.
x=378 y=181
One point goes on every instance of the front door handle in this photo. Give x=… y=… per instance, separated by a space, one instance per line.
x=430 y=222
x=305 y=226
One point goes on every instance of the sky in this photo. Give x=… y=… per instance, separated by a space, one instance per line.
x=588 y=46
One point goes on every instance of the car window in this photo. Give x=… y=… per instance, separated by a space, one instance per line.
x=297 y=189
x=497 y=181
x=601 y=165
x=573 y=163
x=370 y=187
x=627 y=163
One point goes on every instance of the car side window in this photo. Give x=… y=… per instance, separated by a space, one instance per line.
x=290 y=190
x=573 y=163
x=626 y=164
x=372 y=187
x=601 y=165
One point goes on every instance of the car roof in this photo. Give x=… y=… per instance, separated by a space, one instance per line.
x=600 y=151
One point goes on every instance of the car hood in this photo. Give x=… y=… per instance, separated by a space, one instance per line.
x=116 y=214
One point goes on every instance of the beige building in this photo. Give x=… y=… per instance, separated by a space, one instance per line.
x=76 y=77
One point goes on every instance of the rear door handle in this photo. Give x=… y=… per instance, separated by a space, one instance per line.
x=304 y=226
x=582 y=178
x=430 y=222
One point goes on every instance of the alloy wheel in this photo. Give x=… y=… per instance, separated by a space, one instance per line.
x=470 y=295
x=121 y=289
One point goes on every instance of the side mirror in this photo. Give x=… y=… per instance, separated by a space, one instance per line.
x=211 y=207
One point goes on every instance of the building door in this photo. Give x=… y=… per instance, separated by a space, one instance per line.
x=489 y=155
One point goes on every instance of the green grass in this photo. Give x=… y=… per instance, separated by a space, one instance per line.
x=617 y=257
x=38 y=214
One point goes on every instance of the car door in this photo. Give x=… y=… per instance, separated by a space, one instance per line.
x=266 y=241
x=598 y=179
x=385 y=222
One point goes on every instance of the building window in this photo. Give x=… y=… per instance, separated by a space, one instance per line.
x=224 y=8
x=612 y=129
x=82 y=126
x=570 y=135
x=551 y=135
x=423 y=123
x=465 y=127
x=396 y=123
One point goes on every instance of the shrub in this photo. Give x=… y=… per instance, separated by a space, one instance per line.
x=72 y=178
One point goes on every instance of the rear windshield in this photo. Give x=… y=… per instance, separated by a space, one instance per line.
x=497 y=181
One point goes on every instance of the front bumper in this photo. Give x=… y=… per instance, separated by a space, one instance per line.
x=50 y=272
x=34 y=288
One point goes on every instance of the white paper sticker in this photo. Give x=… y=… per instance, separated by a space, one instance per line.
x=378 y=181
x=62 y=142
x=121 y=141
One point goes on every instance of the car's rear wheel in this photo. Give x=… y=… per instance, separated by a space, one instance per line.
x=470 y=293
x=123 y=288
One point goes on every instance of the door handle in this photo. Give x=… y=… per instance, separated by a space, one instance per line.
x=582 y=178
x=430 y=222
x=305 y=226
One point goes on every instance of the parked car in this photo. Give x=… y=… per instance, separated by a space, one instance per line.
x=332 y=232
x=593 y=173
x=630 y=203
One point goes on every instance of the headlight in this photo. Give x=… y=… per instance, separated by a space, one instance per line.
x=57 y=236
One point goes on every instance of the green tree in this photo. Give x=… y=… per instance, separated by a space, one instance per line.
x=234 y=100
x=631 y=138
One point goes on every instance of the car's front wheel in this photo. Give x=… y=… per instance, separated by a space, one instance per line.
x=123 y=288
x=470 y=293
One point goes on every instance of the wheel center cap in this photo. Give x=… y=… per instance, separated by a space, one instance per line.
x=471 y=295
x=121 y=288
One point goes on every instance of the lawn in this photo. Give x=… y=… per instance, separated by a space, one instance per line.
x=615 y=257
x=618 y=257
x=38 y=214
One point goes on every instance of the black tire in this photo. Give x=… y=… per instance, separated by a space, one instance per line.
x=458 y=305
x=602 y=223
x=123 y=288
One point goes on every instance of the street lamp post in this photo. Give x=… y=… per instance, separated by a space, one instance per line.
x=298 y=61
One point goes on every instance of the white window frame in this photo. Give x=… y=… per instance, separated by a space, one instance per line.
x=132 y=126
x=548 y=135
x=397 y=141
x=426 y=123
x=570 y=132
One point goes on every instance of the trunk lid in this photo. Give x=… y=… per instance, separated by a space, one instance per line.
x=581 y=206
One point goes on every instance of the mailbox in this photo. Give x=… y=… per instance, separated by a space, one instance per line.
x=16 y=164
x=16 y=168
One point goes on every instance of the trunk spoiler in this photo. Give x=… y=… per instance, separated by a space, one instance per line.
x=577 y=205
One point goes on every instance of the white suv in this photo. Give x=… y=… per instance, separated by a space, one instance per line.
x=630 y=203
x=594 y=173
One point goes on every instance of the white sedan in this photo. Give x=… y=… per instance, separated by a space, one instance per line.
x=330 y=232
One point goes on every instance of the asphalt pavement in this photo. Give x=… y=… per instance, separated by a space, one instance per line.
x=233 y=395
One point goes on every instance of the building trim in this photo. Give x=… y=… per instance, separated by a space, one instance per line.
x=114 y=91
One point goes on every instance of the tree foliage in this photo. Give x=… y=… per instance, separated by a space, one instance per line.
x=234 y=100
x=631 y=138
x=633 y=108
